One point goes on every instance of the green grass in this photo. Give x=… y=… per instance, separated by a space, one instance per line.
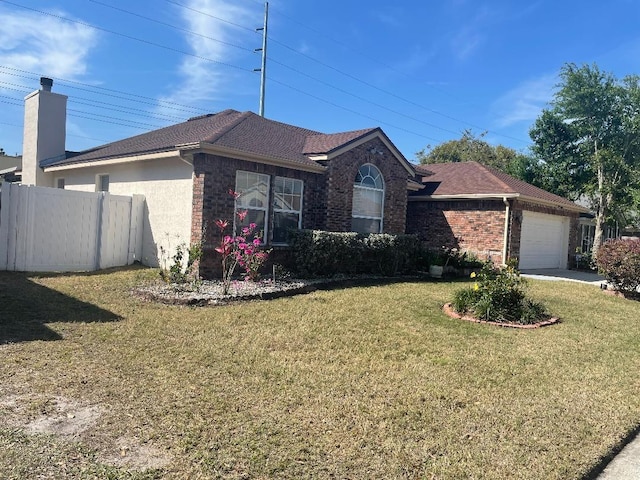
x=361 y=383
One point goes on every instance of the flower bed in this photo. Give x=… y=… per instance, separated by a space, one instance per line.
x=448 y=309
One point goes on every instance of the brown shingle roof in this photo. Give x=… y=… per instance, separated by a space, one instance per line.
x=473 y=179
x=242 y=131
x=325 y=143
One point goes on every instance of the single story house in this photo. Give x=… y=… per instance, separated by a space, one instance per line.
x=292 y=177
x=475 y=208
x=287 y=176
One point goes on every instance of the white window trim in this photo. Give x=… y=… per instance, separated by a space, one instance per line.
x=265 y=209
x=282 y=210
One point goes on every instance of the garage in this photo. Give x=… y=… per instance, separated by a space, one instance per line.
x=543 y=241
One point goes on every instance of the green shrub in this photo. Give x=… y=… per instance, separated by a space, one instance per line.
x=498 y=295
x=320 y=253
x=619 y=261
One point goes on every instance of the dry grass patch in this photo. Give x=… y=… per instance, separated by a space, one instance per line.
x=367 y=382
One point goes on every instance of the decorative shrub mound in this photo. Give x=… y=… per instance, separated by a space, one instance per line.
x=619 y=261
x=320 y=253
x=498 y=295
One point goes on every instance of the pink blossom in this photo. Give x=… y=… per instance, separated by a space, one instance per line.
x=242 y=214
x=234 y=194
x=222 y=224
x=256 y=242
x=252 y=226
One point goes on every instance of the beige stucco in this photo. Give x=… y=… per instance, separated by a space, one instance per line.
x=45 y=115
x=167 y=186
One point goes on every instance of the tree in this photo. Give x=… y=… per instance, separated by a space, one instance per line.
x=588 y=141
x=2 y=152
x=467 y=149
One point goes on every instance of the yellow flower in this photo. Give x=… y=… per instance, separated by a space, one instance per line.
x=473 y=275
x=476 y=286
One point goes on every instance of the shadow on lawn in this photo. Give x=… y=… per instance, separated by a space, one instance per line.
x=26 y=307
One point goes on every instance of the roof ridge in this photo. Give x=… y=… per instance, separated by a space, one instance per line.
x=241 y=118
x=496 y=174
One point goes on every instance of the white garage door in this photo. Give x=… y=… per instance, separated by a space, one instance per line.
x=544 y=241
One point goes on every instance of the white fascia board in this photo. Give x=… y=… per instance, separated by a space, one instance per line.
x=477 y=196
x=360 y=141
x=500 y=196
x=189 y=149
x=114 y=161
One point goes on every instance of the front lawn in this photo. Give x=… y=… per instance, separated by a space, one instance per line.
x=361 y=383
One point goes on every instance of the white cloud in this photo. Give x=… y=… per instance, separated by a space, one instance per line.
x=525 y=102
x=200 y=79
x=37 y=43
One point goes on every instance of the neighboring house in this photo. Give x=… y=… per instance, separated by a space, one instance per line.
x=10 y=168
x=288 y=177
x=474 y=208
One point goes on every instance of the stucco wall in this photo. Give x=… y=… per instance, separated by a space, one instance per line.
x=167 y=187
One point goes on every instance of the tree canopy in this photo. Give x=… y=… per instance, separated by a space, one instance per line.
x=472 y=148
x=588 y=141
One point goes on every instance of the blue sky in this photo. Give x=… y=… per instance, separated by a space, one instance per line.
x=423 y=71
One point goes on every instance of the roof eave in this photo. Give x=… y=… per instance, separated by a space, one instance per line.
x=113 y=161
x=204 y=147
x=474 y=196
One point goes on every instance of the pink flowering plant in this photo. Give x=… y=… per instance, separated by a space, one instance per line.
x=245 y=250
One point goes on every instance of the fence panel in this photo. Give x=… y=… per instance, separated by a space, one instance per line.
x=49 y=229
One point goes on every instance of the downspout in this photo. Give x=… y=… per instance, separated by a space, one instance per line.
x=505 y=239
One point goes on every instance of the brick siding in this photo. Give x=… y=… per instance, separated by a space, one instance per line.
x=327 y=198
x=478 y=225
x=341 y=174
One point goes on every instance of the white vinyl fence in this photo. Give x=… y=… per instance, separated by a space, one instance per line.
x=50 y=229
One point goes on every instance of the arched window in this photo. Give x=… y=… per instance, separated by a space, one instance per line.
x=368 y=200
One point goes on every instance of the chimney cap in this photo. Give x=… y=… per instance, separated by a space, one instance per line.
x=46 y=83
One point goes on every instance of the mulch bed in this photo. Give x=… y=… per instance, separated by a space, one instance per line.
x=209 y=293
x=448 y=309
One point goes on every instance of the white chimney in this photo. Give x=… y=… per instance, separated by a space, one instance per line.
x=45 y=118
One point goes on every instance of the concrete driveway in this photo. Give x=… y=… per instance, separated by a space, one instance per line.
x=556 y=274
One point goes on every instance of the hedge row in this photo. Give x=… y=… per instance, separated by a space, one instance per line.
x=320 y=253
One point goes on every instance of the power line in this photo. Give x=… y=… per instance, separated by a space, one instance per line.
x=100 y=91
x=175 y=27
x=130 y=37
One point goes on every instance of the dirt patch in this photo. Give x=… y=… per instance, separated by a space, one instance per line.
x=70 y=420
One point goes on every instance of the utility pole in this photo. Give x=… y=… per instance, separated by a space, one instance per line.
x=263 y=68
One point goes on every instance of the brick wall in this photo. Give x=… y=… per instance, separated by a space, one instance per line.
x=477 y=226
x=215 y=175
x=341 y=174
x=470 y=225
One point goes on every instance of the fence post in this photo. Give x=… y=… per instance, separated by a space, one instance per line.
x=136 y=229
x=103 y=229
x=5 y=200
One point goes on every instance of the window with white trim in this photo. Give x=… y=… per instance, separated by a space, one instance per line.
x=60 y=183
x=102 y=183
x=287 y=207
x=368 y=200
x=253 y=196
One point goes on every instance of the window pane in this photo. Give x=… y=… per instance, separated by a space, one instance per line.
x=253 y=216
x=282 y=223
x=367 y=203
x=253 y=189
x=365 y=225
